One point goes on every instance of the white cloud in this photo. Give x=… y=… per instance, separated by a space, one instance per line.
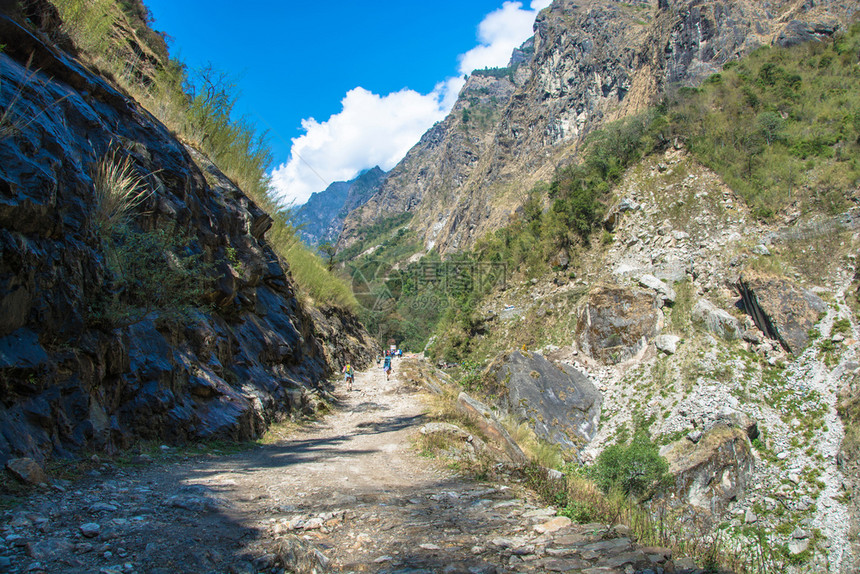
x=378 y=130
x=370 y=130
x=499 y=33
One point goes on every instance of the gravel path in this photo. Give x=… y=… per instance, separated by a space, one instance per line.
x=348 y=493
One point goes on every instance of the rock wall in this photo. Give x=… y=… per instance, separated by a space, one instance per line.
x=248 y=354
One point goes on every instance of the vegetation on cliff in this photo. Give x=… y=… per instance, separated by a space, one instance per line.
x=781 y=127
x=199 y=106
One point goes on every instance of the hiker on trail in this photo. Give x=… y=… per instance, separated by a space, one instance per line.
x=348 y=376
x=386 y=366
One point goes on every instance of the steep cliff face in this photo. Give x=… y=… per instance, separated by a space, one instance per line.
x=322 y=216
x=594 y=61
x=72 y=378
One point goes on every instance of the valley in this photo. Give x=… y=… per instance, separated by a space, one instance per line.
x=623 y=269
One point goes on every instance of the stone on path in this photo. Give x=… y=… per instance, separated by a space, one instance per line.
x=27 y=470
x=553 y=525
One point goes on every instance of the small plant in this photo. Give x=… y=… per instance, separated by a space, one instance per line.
x=150 y=273
x=119 y=190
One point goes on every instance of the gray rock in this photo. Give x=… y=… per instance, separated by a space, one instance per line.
x=672 y=270
x=667 y=343
x=716 y=320
x=90 y=529
x=796 y=546
x=50 y=549
x=666 y=293
x=102 y=507
x=560 y=404
x=722 y=452
x=797 y=32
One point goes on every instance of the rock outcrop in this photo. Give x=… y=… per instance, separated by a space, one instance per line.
x=716 y=320
x=73 y=377
x=481 y=415
x=782 y=310
x=560 y=404
x=712 y=472
x=616 y=323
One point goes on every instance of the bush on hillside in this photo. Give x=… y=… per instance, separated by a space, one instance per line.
x=636 y=469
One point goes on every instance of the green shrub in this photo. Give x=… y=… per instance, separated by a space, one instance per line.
x=636 y=469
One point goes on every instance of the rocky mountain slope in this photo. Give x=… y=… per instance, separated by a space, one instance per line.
x=733 y=342
x=321 y=218
x=167 y=319
x=592 y=61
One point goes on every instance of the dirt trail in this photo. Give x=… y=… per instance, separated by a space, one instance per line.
x=350 y=488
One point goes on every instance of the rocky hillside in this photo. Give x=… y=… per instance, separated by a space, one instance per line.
x=592 y=61
x=321 y=218
x=732 y=342
x=160 y=315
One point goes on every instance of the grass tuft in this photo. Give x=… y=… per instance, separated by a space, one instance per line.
x=119 y=191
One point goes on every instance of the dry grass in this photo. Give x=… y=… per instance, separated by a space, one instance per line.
x=537 y=450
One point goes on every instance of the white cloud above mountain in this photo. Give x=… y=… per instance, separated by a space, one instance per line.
x=378 y=130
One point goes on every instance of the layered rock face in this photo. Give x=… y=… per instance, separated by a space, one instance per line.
x=592 y=61
x=431 y=179
x=781 y=310
x=248 y=354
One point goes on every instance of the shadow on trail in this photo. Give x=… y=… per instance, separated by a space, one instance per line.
x=392 y=424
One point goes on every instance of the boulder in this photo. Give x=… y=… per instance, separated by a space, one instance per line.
x=713 y=471
x=616 y=323
x=560 y=404
x=716 y=320
x=781 y=309
x=613 y=218
x=487 y=422
x=666 y=293
x=26 y=470
x=667 y=343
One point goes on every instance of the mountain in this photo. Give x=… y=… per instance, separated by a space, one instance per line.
x=321 y=218
x=592 y=62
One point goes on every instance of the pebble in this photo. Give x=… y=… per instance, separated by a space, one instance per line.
x=90 y=529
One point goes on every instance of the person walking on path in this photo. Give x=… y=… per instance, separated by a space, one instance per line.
x=348 y=376
x=386 y=366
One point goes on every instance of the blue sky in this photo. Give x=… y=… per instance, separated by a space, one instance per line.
x=342 y=86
